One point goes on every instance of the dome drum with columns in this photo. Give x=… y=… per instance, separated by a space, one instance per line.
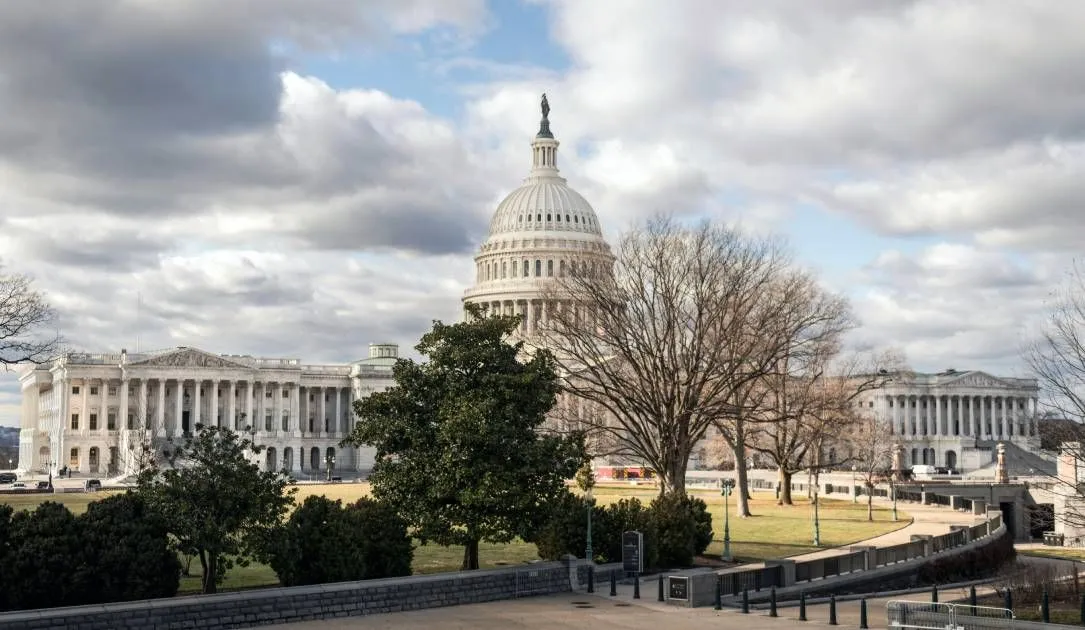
x=542 y=230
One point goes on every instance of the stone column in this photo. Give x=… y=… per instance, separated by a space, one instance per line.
x=214 y=411
x=339 y=426
x=141 y=406
x=122 y=408
x=179 y=410
x=322 y=427
x=938 y=415
x=194 y=420
x=250 y=418
x=160 y=412
x=295 y=406
x=1005 y=417
x=103 y=409
x=960 y=427
x=231 y=406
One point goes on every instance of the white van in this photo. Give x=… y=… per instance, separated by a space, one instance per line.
x=922 y=470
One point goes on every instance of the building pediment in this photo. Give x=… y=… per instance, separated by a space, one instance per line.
x=981 y=380
x=190 y=358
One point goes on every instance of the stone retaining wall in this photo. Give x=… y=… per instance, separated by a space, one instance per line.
x=259 y=607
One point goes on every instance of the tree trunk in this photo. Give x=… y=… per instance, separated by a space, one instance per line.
x=674 y=481
x=785 y=488
x=210 y=571
x=470 y=555
x=742 y=476
x=869 y=503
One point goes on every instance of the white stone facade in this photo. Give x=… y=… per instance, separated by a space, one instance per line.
x=955 y=419
x=539 y=232
x=91 y=413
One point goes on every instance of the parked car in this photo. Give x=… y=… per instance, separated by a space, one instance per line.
x=8 y=477
x=43 y=485
x=18 y=484
x=92 y=485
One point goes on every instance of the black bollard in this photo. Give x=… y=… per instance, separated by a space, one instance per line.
x=613 y=583
x=1045 y=607
x=832 y=610
x=972 y=598
x=591 y=578
x=659 y=597
x=802 y=606
x=772 y=602
x=934 y=594
x=1007 y=602
x=862 y=615
x=719 y=592
x=636 y=586
x=745 y=601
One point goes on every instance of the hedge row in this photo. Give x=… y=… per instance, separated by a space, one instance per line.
x=676 y=529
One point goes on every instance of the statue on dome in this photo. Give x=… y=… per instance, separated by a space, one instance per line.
x=545 y=106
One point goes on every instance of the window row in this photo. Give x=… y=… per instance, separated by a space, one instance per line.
x=523 y=269
x=575 y=219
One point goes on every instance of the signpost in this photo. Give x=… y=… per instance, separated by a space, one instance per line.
x=678 y=588
x=633 y=552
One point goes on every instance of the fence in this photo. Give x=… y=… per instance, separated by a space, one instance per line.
x=936 y=616
x=757 y=578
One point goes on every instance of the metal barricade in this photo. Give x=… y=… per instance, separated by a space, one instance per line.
x=939 y=616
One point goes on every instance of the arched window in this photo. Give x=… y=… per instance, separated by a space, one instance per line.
x=549 y=268
x=548 y=217
x=566 y=218
x=576 y=218
x=527 y=269
x=520 y=219
x=559 y=218
x=561 y=269
x=538 y=217
x=538 y=268
x=504 y=269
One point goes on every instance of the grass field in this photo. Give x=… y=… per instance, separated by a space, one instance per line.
x=773 y=532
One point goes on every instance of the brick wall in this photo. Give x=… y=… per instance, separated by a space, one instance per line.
x=280 y=605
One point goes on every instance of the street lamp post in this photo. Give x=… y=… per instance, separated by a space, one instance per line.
x=726 y=485
x=854 y=493
x=817 y=520
x=893 y=491
x=589 y=553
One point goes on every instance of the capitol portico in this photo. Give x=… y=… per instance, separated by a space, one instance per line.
x=93 y=413
x=955 y=418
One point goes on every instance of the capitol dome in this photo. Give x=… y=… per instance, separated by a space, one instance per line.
x=538 y=232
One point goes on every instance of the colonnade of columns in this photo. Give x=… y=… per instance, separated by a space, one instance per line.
x=982 y=416
x=536 y=312
x=104 y=408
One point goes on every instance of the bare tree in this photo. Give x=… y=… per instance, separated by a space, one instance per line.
x=871 y=454
x=24 y=315
x=810 y=407
x=1057 y=358
x=660 y=341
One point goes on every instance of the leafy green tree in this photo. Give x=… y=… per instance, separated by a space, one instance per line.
x=7 y=545
x=459 y=451
x=565 y=530
x=215 y=500
x=323 y=541
x=45 y=559
x=127 y=551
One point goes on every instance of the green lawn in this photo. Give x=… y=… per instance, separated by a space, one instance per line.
x=773 y=532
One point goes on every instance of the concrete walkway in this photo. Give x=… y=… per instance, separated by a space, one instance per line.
x=599 y=611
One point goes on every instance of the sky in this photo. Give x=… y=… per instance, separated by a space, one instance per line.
x=299 y=179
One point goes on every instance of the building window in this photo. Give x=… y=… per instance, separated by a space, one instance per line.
x=550 y=268
x=538 y=268
x=131 y=422
x=73 y=459
x=267 y=422
x=75 y=389
x=75 y=422
x=93 y=391
x=111 y=421
x=112 y=390
x=267 y=393
x=286 y=421
x=93 y=422
x=527 y=269
x=286 y=393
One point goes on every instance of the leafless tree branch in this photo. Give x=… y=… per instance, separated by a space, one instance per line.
x=24 y=313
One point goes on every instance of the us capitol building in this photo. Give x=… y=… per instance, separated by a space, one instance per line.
x=91 y=413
